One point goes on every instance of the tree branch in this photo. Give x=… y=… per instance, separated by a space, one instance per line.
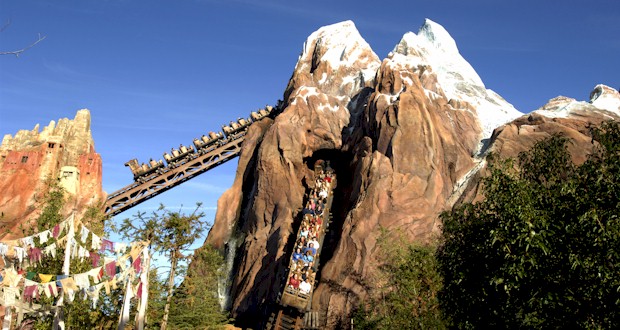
x=6 y=25
x=20 y=51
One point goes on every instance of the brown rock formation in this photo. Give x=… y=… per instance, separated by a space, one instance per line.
x=63 y=151
x=403 y=136
x=561 y=115
x=398 y=144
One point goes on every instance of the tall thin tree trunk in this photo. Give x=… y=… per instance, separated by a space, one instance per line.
x=173 y=266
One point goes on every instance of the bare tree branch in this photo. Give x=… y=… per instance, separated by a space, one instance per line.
x=6 y=25
x=20 y=51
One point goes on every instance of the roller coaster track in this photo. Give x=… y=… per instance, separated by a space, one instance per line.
x=151 y=186
x=295 y=310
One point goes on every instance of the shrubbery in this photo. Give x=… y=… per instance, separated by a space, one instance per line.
x=543 y=249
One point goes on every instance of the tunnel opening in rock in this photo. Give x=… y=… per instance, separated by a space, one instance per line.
x=342 y=163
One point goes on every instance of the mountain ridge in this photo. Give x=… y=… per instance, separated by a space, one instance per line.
x=406 y=144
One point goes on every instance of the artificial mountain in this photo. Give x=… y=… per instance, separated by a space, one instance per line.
x=62 y=150
x=407 y=137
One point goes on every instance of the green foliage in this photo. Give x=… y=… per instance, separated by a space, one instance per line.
x=169 y=233
x=53 y=202
x=195 y=304
x=157 y=300
x=409 y=297
x=543 y=249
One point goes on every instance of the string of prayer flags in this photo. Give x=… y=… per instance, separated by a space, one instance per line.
x=121 y=273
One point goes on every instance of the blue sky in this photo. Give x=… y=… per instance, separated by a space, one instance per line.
x=155 y=74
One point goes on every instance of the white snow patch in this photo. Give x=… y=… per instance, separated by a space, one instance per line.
x=606 y=98
x=343 y=98
x=348 y=56
x=349 y=80
x=323 y=78
x=305 y=91
x=561 y=112
x=322 y=100
x=343 y=43
x=388 y=98
x=370 y=73
x=431 y=95
x=407 y=80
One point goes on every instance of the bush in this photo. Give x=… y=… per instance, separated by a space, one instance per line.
x=409 y=298
x=543 y=249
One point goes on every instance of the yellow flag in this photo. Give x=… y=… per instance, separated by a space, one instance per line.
x=45 y=277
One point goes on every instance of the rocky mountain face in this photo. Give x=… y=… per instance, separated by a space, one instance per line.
x=561 y=115
x=62 y=151
x=406 y=136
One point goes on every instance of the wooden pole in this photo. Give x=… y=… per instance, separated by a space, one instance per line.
x=8 y=314
x=144 y=298
x=20 y=309
x=59 y=322
x=124 y=317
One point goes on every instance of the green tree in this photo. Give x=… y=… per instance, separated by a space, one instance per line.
x=542 y=250
x=196 y=304
x=169 y=233
x=407 y=295
x=157 y=300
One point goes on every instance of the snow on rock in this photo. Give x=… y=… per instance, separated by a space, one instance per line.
x=606 y=98
x=560 y=107
x=337 y=60
x=334 y=66
x=602 y=98
x=434 y=47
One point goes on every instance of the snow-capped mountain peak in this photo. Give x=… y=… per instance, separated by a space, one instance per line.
x=342 y=44
x=434 y=47
x=436 y=35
